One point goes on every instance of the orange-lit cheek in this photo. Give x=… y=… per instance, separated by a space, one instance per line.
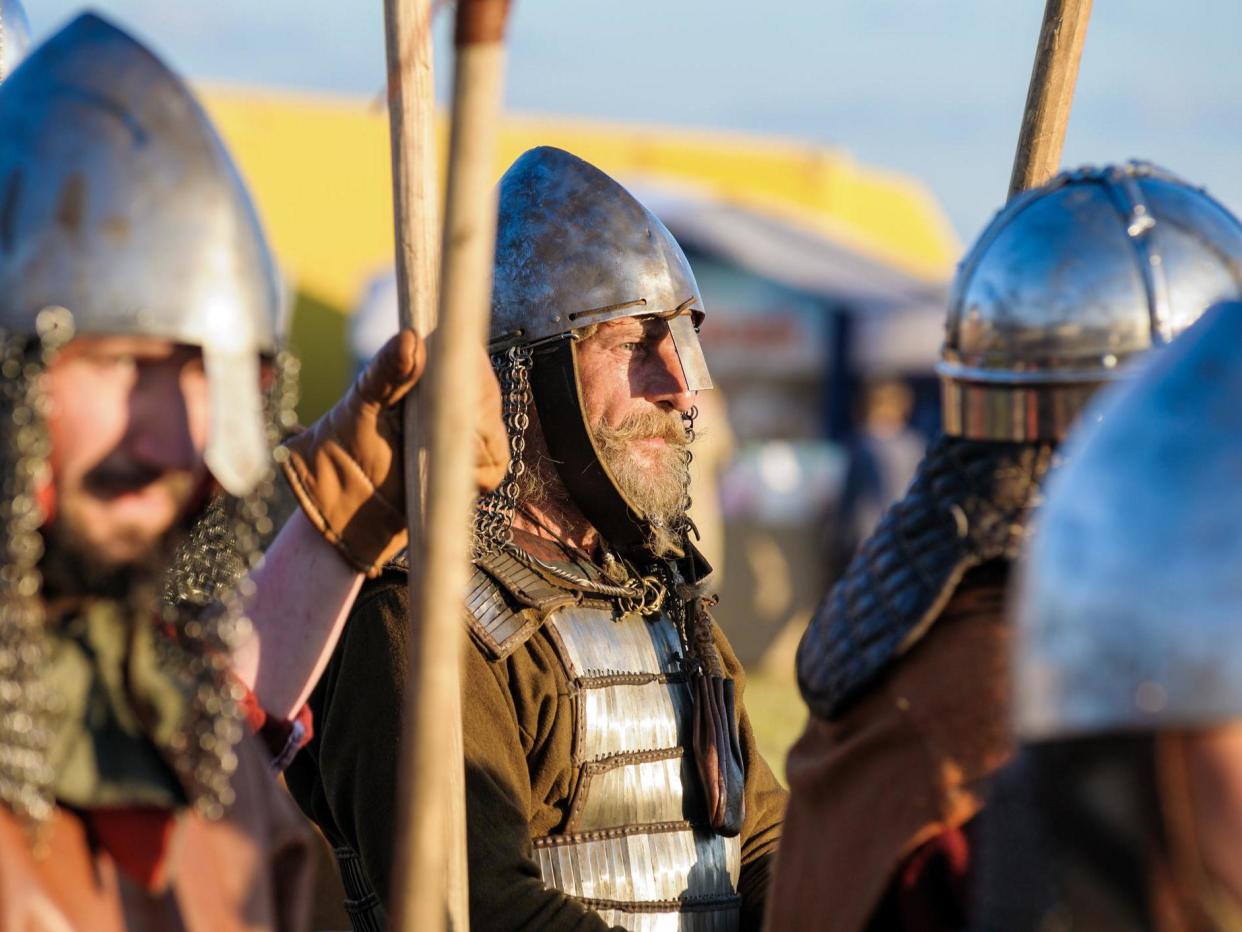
x=86 y=419
x=605 y=390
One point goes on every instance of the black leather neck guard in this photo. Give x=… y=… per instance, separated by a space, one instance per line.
x=970 y=502
x=591 y=484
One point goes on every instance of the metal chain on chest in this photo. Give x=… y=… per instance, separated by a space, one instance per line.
x=641 y=594
x=26 y=704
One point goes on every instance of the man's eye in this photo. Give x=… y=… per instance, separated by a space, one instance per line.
x=631 y=346
x=116 y=361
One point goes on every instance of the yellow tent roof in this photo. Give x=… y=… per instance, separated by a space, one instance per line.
x=319 y=169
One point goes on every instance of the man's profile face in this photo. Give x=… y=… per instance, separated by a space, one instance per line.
x=635 y=395
x=128 y=424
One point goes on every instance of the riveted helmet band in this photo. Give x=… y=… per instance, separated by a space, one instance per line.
x=1068 y=284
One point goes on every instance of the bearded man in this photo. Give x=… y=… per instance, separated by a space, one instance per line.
x=905 y=665
x=612 y=777
x=138 y=310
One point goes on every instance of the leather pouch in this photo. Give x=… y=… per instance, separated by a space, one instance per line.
x=717 y=746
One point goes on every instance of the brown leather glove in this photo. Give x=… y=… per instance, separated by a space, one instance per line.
x=347 y=471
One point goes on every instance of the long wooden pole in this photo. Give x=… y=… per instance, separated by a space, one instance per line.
x=416 y=221
x=1051 y=93
x=422 y=899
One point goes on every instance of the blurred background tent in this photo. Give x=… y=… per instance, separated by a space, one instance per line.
x=823 y=277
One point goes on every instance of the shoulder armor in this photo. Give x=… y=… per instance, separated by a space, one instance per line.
x=507 y=602
x=970 y=502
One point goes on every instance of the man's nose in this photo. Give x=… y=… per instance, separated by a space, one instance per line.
x=159 y=431
x=670 y=381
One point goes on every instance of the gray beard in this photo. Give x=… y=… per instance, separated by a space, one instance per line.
x=660 y=494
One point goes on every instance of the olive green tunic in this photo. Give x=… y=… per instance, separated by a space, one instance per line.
x=518 y=733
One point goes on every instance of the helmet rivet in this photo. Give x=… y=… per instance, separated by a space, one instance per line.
x=54 y=325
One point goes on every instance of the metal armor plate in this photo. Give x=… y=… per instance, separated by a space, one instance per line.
x=635 y=847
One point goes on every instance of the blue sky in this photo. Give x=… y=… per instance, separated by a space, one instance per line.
x=931 y=87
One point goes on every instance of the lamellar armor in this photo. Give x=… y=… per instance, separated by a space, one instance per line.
x=123 y=214
x=1067 y=286
x=637 y=846
x=14 y=36
x=651 y=837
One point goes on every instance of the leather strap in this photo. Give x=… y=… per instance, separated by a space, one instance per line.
x=362 y=904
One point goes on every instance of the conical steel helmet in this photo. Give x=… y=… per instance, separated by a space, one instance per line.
x=120 y=205
x=14 y=36
x=1128 y=605
x=574 y=247
x=1067 y=284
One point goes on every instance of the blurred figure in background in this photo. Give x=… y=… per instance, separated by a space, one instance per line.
x=138 y=328
x=905 y=664
x=151 y=680
x=1123 y=809
x=884 y=455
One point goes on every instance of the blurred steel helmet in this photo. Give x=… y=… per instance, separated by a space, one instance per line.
x=1069 y=282
x=575 y=248
x=14 y=36
x=1128 y=604
x=124 y=214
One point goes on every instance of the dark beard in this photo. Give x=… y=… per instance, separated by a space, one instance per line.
x=70 y=571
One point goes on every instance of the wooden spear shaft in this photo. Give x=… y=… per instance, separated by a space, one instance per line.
x=432 y=733
x=416 y=221
x=1051 y=93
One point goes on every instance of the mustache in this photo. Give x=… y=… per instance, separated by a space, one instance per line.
x=113 y=478
x=652 y=424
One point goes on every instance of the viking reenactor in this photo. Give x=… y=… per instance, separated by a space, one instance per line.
x=904 y=666
x=612 y=777
x=1122 y=808
x=138 y=307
